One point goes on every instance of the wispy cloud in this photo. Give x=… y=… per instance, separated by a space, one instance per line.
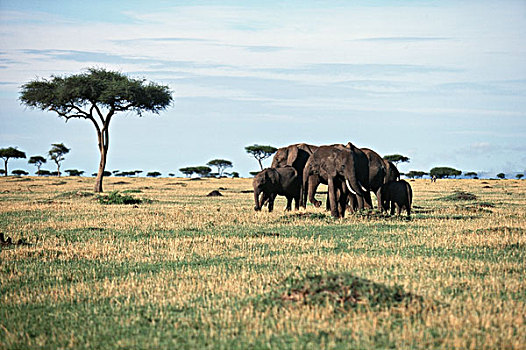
x=401 y=39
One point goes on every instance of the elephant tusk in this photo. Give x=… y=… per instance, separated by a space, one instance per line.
x=349 y=187
x=363 y=188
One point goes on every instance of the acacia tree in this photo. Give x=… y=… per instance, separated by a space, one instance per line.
x=260 y=152
x=8 y=153
x=441 y=172
x=519 y=176
x=221 y=165
x=396 y=158
x=96 y=95
x=57 y=153
x=38 y=161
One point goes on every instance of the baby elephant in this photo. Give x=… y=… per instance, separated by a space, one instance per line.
x=273 y=181
x=399 y=194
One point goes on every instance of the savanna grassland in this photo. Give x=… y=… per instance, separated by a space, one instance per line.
x=183 y=270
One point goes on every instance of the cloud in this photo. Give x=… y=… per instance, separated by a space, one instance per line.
x=407 y=39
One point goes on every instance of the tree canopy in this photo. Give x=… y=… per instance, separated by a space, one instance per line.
x=471 y=174
x=153 y=174
x=397 y=158
x=96 y=95
x=221 y=165
x=519 y=176
x=260 y=152
x=8 y=153
x=57 y=153
x=501 y=175
x=38 y=161
x=413 y=173
x=441 y=172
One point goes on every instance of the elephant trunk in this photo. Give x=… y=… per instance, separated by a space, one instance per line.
x=354 y=186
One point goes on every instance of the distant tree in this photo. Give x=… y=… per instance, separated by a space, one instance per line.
x=57 y=153
x=418 y=174
x=115 y=171
x=137 y=172
x=471 y=174
x=501 y=175
x=106 y=173
x=260 y=152
x=19 y=172
x=221 y=165
x=441 y=172
x=397 y=158
x=171 y=174
x=43 y=172
x=254 y=173
x=54 y=173
x=188 y=171
x=203 y=171
x=2 y=172
x=38 y=161
x=519 y=176
x=235 y=174
x=74 y=172
x=96 y=95
x=153 y=174
x=8 y=153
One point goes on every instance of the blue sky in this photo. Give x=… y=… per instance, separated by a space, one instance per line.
x=442 y=82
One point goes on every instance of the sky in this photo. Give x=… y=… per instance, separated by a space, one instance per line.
x=441 y=82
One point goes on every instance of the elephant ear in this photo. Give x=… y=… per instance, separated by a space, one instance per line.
x=293 y=155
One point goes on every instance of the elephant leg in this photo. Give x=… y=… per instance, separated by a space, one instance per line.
x=313 y=186
x=398 y=209
x=342 y=200
x=271 y=199
x=379 y=199
x=257 y=207
x=297 y=201
x=392 y=208
x=332 y=198
x=289 y=203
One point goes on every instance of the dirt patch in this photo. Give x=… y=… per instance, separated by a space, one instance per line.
x=120 y=183
x=214 y=193
x=460 y=196
x=345 y=291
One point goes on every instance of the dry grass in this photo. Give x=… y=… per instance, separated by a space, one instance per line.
x=195 y=271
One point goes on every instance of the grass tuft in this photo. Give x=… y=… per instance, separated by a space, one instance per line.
x=116 y=198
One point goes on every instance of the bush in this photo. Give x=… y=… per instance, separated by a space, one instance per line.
x=116 y=198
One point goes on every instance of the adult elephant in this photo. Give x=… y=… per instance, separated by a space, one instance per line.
x=343 y=169
x=377 y=174
x=295 y=155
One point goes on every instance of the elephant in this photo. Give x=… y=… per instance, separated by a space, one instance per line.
x=271 y=182
x=377 y=174
x=397 y=194
x=392 y=173
x=345 y=171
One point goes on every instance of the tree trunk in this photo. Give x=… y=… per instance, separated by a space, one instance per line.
x=103 y=137
x=100 y=174
x=5 y=166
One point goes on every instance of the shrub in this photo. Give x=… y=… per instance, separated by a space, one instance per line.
x=116 y=198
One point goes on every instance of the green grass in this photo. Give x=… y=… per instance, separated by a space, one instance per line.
x=190 y=272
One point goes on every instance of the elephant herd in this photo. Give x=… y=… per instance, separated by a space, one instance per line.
x=351 y=173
